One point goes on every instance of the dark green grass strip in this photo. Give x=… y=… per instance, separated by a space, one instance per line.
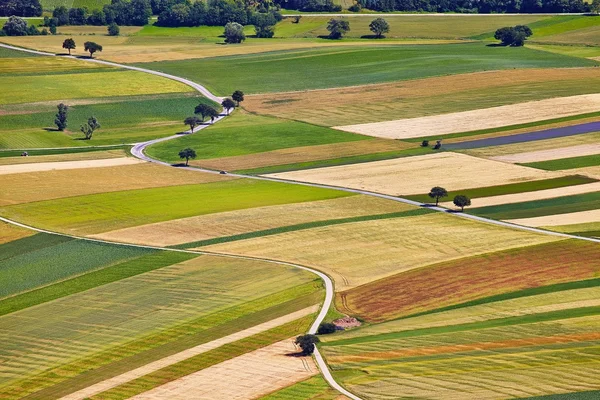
x=566 y=163
x=538 y=208
x=87 y=371
x=205 y=360
x=92 y=279
x=25 y=245
x=521 y=187
x=46 y=152
x=558 y=287
x=592 y=234
x=299 y=227
x=493 y=323
x=388 y=155
x=509 y=127
x=591 y=395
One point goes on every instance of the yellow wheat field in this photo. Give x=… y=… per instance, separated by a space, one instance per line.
x=65 y=165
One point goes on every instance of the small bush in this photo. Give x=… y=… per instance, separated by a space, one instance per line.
x=326 y=328
x=425 y=143
x=113 y=30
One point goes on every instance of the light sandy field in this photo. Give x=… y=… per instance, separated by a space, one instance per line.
x=302 y=154
x=235 y=222
x=486 y=118
x=245 y=377
x=416 y=98
x=184 y=355
x=560 y=219
x=361 y=252
x=529 y=196
x=76 y=182
x=8 y=233
x=56 y=166
x=592 y=172
x=554 y=154
x=418 y=174
x=91 y=155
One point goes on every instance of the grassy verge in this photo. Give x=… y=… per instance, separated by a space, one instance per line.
x=521 y=187
x=298 y=227
x=66 y=150
x=566 y=163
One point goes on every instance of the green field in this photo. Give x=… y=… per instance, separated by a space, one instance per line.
x=43 y=259
x=108 y=211
x=246 y=134
x=90 y=4
x=566 y=163
x=314 y=388
x=538 y=208
x=521 y=187
x=340 y=66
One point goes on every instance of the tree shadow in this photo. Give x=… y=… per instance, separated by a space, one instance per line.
x=328 y=37
x=496 y=45
x=372 y=37
x=179 y=165
x=296 y=354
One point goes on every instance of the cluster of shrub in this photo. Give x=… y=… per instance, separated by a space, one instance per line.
x=470 y=6
x=513 y=35
x=17 y=26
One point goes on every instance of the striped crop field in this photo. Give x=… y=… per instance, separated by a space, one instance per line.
x=47 y=348
x=468 y=279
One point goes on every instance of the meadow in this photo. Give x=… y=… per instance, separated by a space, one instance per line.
x=566 y=163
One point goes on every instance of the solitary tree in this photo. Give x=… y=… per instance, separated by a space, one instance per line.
x=461 y=201
x=337 y=28
x=61 y=117
x=205 y=111
x=379 y=26
x=113 y=30
x=326 y=328
x=307 y=343
x=187 y=154
x=192 y=122
x=437 y=193
x=228 y=104
x=513 y=36
x=89 y=128
x=238 y=97
x=69 y=44
x=15 y=26
x=92 y=47
x=234 y=33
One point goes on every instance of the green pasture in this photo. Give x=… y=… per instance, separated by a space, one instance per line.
x=123 y=120
x=584 y=229
x=512 y=188
x=566 y=163
x=108 y=211
x=106 y=324
x=346 y=66
x=246 y=134
x=90 y=4
x=8 y=53
x=569 y=49
x=43 y=259
x=194 y=31
x=46 y=152
x=538 y=208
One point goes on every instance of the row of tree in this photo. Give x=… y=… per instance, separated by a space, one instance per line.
x=91 y=47
x=120 y=12
x=460 y=200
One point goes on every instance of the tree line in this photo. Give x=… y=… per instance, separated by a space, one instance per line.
x=480 y=6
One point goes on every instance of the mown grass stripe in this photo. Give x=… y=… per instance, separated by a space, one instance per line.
x=566 y=163
x=303 y=226
x=91 y=280
x=493 y=323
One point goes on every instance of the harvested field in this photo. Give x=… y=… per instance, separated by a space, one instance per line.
x=418 y=174
x=56 y=166
x=593 y=172
x=424 y=97
x=255 y=219
x=472 y=278
x=553 y=154
x=530 y=196
x=78 y=182
x=560 y=219
x=51 y=158
x=9 y=232
x=301 y=154
x=527 y=137
x=245 y=377
x=357 y=253
x=479 y=119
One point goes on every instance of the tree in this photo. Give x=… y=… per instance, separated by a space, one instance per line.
x=238 y=97
x=113 y=30
x=92 y=48
x=96 y=18
x=307 y=343
x=192 y=122
x=61 y=13
x=15 y=26
x=205 y=111
x=425 y=143
x=228 y=104
x=326 y=328
x=212 y=114
x=69 y=44
x=89 y=128
x=61 y=117
x=187 y=154
x=379 y=26
x=437 y=193
x=513 y=36
x=20 y=8
x=461 y=201
x=53 y=29
x=234 y=33
x=337 y=28
x=78 y=16
x=264 y=25
x=595 y=7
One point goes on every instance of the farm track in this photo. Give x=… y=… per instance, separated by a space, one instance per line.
x=138 y=151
